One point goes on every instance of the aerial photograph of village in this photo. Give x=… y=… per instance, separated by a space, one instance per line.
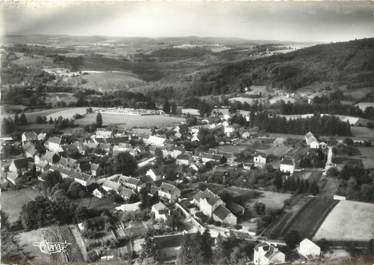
x=187 y=133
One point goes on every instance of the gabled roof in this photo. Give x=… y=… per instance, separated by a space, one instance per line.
x=310 y=138
x=222 y=212
x=288 y=161
x=68 y=162
x=130 y=180
x=183 y=157
x=22 y=163
x=55 y=139
x=168 y=188
x=159 y=206
x=207 y=194
x=30 y=148
x=30 y=136
x=125 y=192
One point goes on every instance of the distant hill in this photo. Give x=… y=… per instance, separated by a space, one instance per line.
x=344 y=63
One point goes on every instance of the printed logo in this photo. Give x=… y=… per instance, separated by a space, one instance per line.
x=50 y=248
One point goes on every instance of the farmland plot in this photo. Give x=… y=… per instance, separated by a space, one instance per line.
x=127 y=121
x=348 y=221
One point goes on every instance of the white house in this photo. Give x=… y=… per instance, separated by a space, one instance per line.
x=287 y=165
x=259 y=161
x=309 y=249
x=54 y=144
x=130 y=182
x=160 y=211
x=104 y=133
x=311 y=140
x=29 y=137
x=265 y=254
x=207 y=201
x=169 y=192
x=183 y=159
x=155 y=141
x=154 y=174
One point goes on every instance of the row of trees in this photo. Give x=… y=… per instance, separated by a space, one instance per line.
x=334 y=107
x=325 y=125
x=42 y=212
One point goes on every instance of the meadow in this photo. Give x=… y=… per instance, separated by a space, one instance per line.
x=129 y=121
x=348 y=221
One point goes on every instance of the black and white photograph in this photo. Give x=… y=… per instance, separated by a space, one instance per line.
x=187 y=132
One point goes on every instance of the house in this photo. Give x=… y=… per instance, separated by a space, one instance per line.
x=18 y=168
x=160 y=211
x=265 y=253
x=109 y=185
x=130 y=182
x=259 y=161
x=42 y=136
x=68 y=163
x=29 y=137
x=224 y=215
x=206 y=157
x=311 y=140
x=207 y=201
x=183 y=159
x=228 y=130
x=29 y=149
x=99 y=192
x=104 y=133
x=96 y=169
x=309 y=249
x=155 y=141
x=154 y=174
x=287 y=165
x=126 y=193
x=54 y=144
x=169 y=192
x=49 y=158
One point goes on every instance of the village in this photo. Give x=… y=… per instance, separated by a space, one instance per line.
x=210 y=189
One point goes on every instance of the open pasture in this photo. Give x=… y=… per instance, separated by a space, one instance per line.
x=127 y=121
x=348 y=221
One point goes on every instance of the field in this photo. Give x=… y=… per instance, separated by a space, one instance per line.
x=305 y=220
x=272 y=200
x=110 y=80
x=67 y=113
x=29 y=242
x=367 y=156
x=348 y=221
x=362 y=132
x=96 y=203
x=13 y=200
x=128 y=121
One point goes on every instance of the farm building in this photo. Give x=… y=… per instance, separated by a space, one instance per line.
x=160 y=211
x=265 y=254
x=169 y=192
x=309 y=249
x=287 y=165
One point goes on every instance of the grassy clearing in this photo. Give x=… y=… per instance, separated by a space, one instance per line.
x=111 y=80
x=348 y=221
x=128 y=121
x=13 y=200
x=67 y=113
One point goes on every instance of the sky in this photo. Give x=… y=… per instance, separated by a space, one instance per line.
x=311 y=21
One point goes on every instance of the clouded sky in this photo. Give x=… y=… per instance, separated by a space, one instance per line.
x=297 y=21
